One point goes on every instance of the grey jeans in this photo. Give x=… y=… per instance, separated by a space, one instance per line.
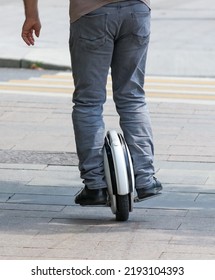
x=114 y=36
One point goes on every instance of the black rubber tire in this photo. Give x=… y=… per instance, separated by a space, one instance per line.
x=122 y=203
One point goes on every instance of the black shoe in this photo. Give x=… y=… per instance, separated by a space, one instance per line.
x=144 y=193
x=91 y=197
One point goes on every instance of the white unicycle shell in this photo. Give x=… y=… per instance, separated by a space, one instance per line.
x=119 y=175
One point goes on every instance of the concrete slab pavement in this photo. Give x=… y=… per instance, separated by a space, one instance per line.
x=38 y=164
x=39 y=178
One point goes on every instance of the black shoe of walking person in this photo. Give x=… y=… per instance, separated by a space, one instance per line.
x=149 y=192
x=91 y=197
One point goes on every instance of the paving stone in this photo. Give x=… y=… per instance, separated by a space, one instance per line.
x=31 y=209
x=23 y=117
x=16 y=130
x=192 y=150
x=25 y=166
x=139 y=210
x=42 y=143
x=91 y=214
x=171 y=200
x=199 y=224
x=145 y=254
x=23 y=253
x=211 y=180
x=5 y=196
x=186 y=256
x=23 y=225
x=186 y=165
x=192 y=158
x=206 y=198
x=27 y=241
x=204 y=213
x=12 y=187
x=47 y=213
x=191 y=188
x=38 y=157
x=167 y=204
x=63 y=179
x=20 y=176
x=195 y=238
x=183 y=176
x=69 y=254
x=9 y=142
x=42 y=199
x=190 y=249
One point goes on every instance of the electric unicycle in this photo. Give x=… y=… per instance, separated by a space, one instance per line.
x=119 y=175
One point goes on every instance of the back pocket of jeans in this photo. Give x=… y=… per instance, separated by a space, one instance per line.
x=92 y=30
x=141 y=26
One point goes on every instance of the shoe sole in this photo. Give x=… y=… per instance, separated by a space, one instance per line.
x=103 y=203
x=94 y=205
x=137 y=199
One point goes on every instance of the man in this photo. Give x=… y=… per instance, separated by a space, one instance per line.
x=107 y=34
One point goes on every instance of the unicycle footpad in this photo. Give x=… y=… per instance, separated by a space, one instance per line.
x=119 y=174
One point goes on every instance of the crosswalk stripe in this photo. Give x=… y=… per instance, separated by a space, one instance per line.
x=148 y=87
x=38 y=81
x=36 y=88
x=181 y=81
x=174 y=88
x=177 y=88
x=182 y=96
x=58 y=77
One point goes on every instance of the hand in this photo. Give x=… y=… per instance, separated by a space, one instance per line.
x=30 y=27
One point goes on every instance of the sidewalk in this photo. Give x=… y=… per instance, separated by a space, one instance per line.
x=38 y=164
x=39 y=177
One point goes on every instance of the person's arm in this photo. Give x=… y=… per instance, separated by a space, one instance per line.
x=32 y=22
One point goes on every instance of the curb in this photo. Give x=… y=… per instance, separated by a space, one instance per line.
x=30 y=64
